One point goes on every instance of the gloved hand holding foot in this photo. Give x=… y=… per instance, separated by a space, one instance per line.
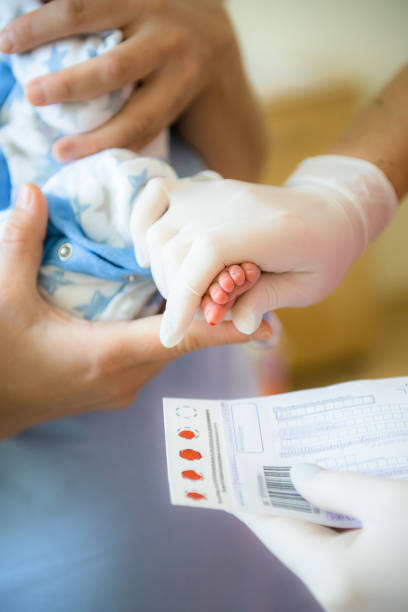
x=304 y=236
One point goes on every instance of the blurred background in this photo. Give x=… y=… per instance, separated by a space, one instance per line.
x=314 y=64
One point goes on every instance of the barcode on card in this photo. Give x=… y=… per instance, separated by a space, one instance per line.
x=282 y=493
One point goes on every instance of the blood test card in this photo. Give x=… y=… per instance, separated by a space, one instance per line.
x=236 y=455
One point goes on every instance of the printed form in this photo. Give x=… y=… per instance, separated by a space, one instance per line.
x=236 y=454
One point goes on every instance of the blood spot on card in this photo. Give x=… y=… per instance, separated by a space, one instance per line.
x=190 y=454
x=194 y=495
x=191 y=475
x=188 y=434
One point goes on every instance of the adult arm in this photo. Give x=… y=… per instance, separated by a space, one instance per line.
x=183 y=54
x=379 y=134
x=53 y=365
x=225 y=123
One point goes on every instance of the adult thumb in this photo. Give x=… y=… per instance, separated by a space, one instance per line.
x=22 y=241
x=132 y=341
x=201 y=335
x=271 y=292
x=350 y=493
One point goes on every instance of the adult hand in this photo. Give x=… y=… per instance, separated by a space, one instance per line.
x=52 y=364
x=359 y=570
x=304 y=236
x=171 y=49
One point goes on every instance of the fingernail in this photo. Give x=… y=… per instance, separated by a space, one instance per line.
x=35 y=93
x=24 y=197
x=63 y=152
x=302 y=473
x=166 y=334
x=6 y=42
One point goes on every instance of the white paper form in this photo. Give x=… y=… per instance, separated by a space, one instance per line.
x=237 y=455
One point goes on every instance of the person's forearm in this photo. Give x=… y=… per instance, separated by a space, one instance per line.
x=225 y=123
x=379 y=134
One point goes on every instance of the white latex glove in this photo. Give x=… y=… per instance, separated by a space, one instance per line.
x=303 y=236
x=359 y=570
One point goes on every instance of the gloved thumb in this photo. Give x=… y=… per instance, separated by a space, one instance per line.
x=22 y=242
x=350 y=493
x=271 y=292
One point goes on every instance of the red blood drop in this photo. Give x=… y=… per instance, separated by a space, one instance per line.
x=191 y=475
x=190 y=454
x=194 y=495
x=187 y=433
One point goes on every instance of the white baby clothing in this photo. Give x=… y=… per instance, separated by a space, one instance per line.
x=88 y=267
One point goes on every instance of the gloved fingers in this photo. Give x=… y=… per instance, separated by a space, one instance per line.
x=157 y=237
x=151 y=204
x=172 y=255
x=349 y=493
x=155 y=200
x=182 y=303
x=205 y=175
x=233 y=239
x=272 y=291
x=167 y=249
x=198 y=269
x=302 y=546
x=205 y=259
x=200 y=266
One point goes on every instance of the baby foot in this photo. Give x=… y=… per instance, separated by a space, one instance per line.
x=228 y=286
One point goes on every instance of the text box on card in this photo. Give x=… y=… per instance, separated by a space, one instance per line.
x=247 y=429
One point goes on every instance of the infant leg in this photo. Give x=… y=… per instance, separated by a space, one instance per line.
x=228 y=286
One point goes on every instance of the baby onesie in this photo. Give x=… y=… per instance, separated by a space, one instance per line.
x=88 y=266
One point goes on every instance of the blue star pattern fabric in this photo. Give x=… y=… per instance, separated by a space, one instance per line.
x=88 y=268
x=55 y=59
x=68 y=118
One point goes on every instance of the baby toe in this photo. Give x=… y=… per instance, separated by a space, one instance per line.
x=251 y=271
x=237 y=274
x=213 y=313
x=217 y=294
x=226 y=282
